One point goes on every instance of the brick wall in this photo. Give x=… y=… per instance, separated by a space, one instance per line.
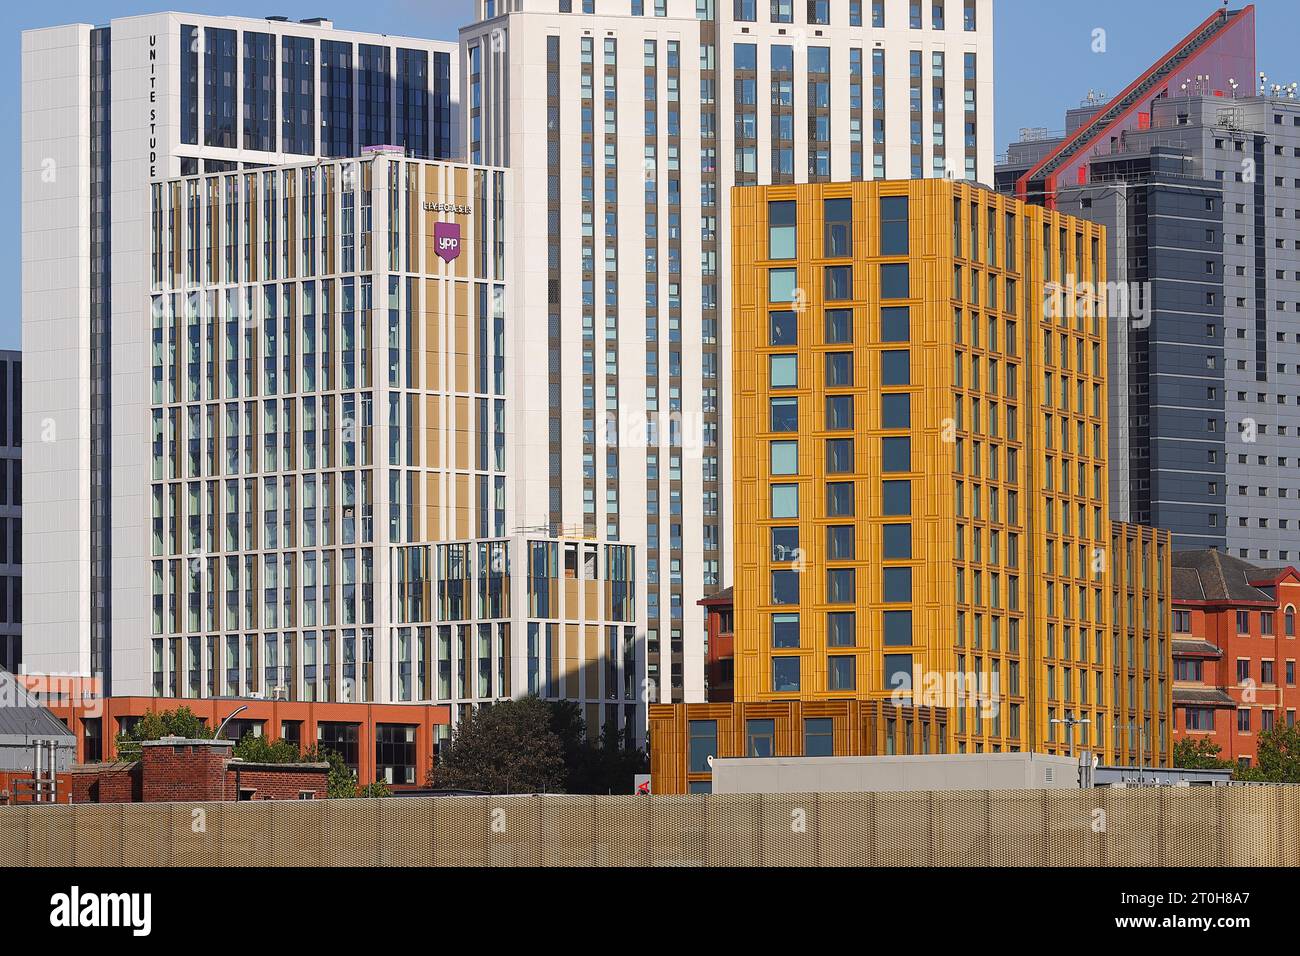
x=10 y=791
x=285 y=782
x=107 y=783
x=183 y=772
x=194 y=771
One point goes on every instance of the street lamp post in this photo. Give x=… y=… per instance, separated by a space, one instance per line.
x=222 y=726
x=1070 y=722
x=1142 y=740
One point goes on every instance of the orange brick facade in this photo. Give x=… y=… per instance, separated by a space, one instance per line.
x=97 y=723
x=720 y=660
x=1235 y=651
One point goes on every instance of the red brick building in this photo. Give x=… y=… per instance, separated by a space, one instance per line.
x=389 y=743
x=1235 y=650
x=176 y=769
x=720 y=661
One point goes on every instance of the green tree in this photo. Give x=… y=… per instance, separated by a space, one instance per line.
x=341 y=782
x=1199 y=753
x=610 y=767
x=595 y=764
x=1277 y=757
x=256 y=749
x=508 y=747
x=486 y=752
x=181 y=722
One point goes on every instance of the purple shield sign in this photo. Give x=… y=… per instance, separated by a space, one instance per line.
x=446 y=240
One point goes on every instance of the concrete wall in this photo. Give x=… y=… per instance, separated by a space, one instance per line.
x=1007 y=771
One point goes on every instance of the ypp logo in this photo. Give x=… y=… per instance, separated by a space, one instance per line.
x=446 y=240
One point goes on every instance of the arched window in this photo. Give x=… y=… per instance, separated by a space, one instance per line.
x=1289 y=620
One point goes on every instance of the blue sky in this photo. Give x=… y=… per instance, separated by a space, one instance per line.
x=1044 y=63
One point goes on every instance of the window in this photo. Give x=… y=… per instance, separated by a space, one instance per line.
x=897 y=497
x=897 y=542
x=840 y=545
x=894 y=323
x=781 y=229
x=898 y=628
x=785 y=587
x=782 y=329
x=395 y=753
x=839 y=455
x=840 y=586
x=841 y=672
x=1243 y=720
x=897 y=585
x=839 y=499
x=785 y=414
x=1188 y=670
x=839 y=412
x=781 y=285
x=895 y=281
x=785 y=675
x=898 y=671
x=895 y=367
x=839 y=369
x=783 y=370
x=1243 y=622
x=785 y=501
x=1182 y=622
x=785 y=543
x=896 y=454
x=785 y=457
x=785 y=630
x=841 y=629
x=838 y=214
x=893 y=227
x=1199 y=718
x=703 y=745
x=342 y=738
x=895 y=410
x=839 y=326
x=839 y=282
x=818 y=737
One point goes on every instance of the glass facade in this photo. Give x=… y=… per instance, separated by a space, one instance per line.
x=298 y=95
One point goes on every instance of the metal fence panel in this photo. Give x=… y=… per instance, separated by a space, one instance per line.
x=1141 y=826
x=790 y=826
x=622 y=836
x=848 y=834
x=678 y=830
x=147 y=839
x=568 y=831
x=460 y=827
x=405 y=834
x=97 y=835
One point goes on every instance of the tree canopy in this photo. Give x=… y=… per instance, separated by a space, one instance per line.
x=534 y=746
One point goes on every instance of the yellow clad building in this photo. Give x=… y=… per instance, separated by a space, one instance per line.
x=921 y=509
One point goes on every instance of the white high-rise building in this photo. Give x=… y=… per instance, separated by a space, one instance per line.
x=624 y=124
x=107 y=110
x=328 y=516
